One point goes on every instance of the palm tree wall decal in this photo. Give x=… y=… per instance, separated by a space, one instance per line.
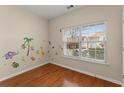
x=27 y=43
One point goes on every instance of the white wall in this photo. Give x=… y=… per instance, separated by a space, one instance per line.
x=15 y=24
x=113 y=16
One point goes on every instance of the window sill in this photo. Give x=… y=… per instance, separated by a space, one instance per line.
x=87 y=60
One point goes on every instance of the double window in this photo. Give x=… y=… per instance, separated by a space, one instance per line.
x=85 y=42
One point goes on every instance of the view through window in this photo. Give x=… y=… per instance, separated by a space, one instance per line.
x=85 y=41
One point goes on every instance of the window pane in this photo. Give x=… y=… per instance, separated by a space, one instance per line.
x=97 y=32
x=71 y=34
x=88 y=49
x=84 y=34
x=100 y=44
x=100 y=50
x=100 y=53
x=84 y=50
x=72 y=49
x=93 y=32
x=65 y=49
x=91 y=45
x=92 y=49
x=92 y=54
x=66 y=33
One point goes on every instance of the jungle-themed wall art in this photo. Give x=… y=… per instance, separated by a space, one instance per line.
x=31 y=53
x=33 y=58
x=42 y=52
x=15 y=65
x=27 y=41
x=10 y=55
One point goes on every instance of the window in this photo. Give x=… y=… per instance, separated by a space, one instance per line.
x=85 y=42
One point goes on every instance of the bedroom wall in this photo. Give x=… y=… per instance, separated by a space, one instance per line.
x=15 y=25
x=113 y=16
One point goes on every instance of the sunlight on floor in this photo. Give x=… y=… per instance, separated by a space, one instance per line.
x=67 y=83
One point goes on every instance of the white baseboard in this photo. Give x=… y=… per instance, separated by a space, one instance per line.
x=89 y=73
x=109 y=79
x=15 y=74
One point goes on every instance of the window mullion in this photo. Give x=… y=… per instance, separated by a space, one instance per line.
x=95 y=50
x=80 y=42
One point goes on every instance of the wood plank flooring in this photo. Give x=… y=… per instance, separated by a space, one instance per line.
x=51 y=75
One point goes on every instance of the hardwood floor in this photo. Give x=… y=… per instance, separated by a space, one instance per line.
x=51 y=75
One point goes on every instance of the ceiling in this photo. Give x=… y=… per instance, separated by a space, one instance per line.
x=50 y=11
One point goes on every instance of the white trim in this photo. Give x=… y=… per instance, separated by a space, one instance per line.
x=25 y=70
x=90 y=73
x=87 y=60
x=109 y=79
x=86 y=24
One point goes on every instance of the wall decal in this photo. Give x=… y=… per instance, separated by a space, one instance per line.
x=52 y=46
x=56 y=53
x=15 y=65
x=33 y=58
x=42 y=52
x=49 y=43
x=60 y=30
x=48 y=51
x=62 y=49
x=37 y=52
x=26 y=44
x=10 y=55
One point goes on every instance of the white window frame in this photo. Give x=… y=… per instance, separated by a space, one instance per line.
x=84 y=59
